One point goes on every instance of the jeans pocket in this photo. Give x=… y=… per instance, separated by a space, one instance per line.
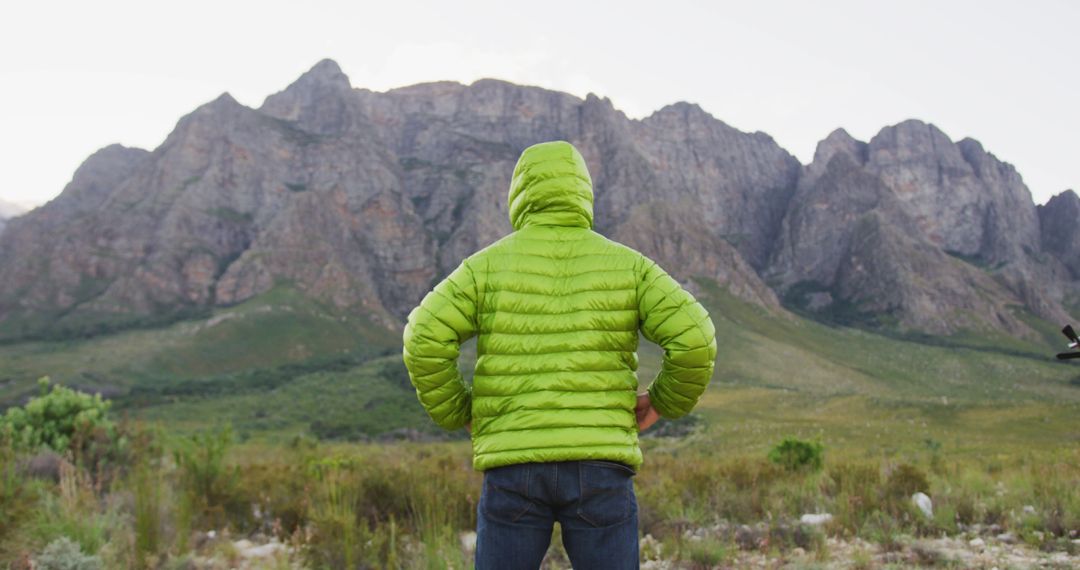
x=607 y=493
x=611 y=464
x=505 y=493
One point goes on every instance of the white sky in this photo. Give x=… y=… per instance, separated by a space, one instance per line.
x=77 y=76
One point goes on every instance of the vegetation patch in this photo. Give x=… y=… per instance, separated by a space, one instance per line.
x=837 y=312
x=230 y=215
x=794 y=454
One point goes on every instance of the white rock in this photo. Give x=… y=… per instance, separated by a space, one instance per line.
x=976 y=543
x=922 y=501
x=264 y=551
x=1029 y=510
x=815 y=518
x=468 y=540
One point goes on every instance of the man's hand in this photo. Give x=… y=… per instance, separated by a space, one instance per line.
x=646 y=413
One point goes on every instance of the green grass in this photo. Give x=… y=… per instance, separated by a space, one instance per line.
x=763 y=349
x=403 y=504
x=279 y=328
x=348 y=404
x=987 y=422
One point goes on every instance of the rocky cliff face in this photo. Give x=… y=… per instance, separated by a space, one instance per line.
x=1060 y=224
x=939 y=235
x=363 y=199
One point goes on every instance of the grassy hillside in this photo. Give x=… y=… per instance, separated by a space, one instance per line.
x=281 y=365
x=760 y=349
x=260 y=337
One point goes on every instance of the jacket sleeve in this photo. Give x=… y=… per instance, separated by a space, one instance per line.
x=444 y=319
x=669 y=316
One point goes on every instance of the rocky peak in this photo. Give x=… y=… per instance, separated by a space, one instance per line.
x=495 y=84
x=989 y=168
x=839 y=142
x=949 y=198
x=966 y=201
x=1059 y=220
x=816 y=233
x=679 y=113
x=742 y=182
x=913 y=141
x=320 y=101
x=849 y=246
x=325 y=72
x=99 y=175
x=221 y=110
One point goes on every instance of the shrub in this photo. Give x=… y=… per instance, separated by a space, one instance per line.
x=75 y=512
x=15 y=496
x=64 y=554
x=794 y=454
x=707 y=553
x=58 y=418
x=906 y=480
x=209 y=485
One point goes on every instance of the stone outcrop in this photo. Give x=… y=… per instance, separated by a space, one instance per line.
x=935 y=235
x=1060 y=224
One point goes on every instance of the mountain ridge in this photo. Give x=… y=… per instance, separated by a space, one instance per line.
x=365 y=198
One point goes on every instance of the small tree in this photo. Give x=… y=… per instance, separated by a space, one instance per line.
x=60 y=419
x=794 y=454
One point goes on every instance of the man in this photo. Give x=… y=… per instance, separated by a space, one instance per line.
x=552 y=409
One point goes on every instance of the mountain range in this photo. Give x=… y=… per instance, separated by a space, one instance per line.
x=362 y=200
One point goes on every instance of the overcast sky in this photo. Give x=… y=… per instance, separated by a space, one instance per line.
x=82 y=75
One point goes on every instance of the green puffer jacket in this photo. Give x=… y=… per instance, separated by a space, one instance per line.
x=556 y=308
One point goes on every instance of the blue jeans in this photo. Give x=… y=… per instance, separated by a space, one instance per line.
x=593 y=500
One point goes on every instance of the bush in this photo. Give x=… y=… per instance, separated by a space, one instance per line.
x=906 y=480
x=211 y=487
x=64 y=554
x=794 y=454
x=16 y=498
x=59 y=419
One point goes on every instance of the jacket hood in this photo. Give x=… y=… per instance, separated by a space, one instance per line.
x=551 y=186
